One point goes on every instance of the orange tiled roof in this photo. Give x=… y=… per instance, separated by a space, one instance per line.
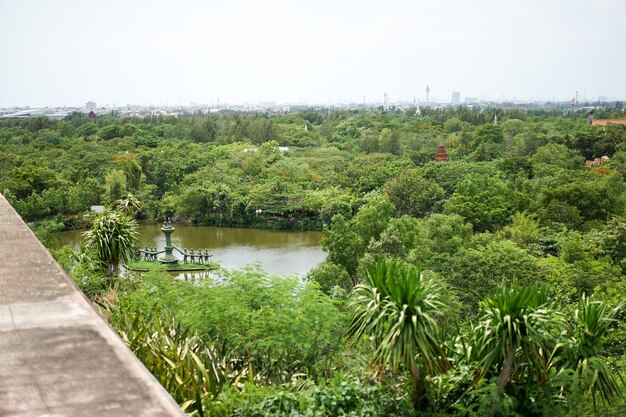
x=604 y=122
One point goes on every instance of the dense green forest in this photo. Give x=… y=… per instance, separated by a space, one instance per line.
x=487 y=285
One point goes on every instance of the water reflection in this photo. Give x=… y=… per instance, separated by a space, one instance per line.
x=192 y=276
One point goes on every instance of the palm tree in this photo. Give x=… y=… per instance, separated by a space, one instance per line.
x=591 y=322
x=129 y=204
x=112 y=238
x=398 y=307
x=516 y=334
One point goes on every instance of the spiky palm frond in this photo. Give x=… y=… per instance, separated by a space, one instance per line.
x=186 y=367
x=591 y=322
x=112 y=238
x=515 y=332
x=397 y=307
x=129 y=205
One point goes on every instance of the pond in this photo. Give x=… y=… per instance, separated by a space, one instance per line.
x=277 y=252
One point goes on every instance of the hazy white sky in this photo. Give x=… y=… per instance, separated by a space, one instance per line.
x=56 y=52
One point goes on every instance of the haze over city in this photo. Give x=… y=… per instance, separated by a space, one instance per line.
x=58 y=53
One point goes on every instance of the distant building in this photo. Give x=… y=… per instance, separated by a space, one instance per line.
x=441 y=155
x=471 y=100
x=90 y=106
x=456 y=98
x=596 y=162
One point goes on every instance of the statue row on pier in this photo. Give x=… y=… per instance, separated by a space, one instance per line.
x=200 y=256
x=147 y=254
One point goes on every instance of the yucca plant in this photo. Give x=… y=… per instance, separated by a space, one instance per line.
x=129 y=205
x=591 y=322
x=112 y=239
x=186 y=367
x=516 y=334
x=397 y=307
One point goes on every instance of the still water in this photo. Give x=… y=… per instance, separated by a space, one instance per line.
x=278 y=252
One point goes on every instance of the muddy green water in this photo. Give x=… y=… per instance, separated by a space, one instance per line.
x=278 y=252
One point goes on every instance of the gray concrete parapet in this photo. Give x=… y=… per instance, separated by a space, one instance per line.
x=58 y=356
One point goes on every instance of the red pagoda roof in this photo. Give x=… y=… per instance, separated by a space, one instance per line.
x=442 y=154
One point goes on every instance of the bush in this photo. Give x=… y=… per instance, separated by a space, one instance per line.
x=341 y=396
x=330 y=277
x=279 y=325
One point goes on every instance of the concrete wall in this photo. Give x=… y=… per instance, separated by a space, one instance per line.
x=58 y=356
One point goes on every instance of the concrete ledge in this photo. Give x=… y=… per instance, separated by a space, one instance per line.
x=58 y=356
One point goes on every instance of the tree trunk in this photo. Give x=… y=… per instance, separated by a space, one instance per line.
x=507 y=369
x=420 y=401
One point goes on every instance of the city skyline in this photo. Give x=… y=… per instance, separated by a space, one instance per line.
x=454 y=99
x=163 y=53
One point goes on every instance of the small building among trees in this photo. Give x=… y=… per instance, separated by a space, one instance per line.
x=596 y=162
x=442 y=154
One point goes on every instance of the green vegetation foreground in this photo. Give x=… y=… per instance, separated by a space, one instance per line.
x=490 y=284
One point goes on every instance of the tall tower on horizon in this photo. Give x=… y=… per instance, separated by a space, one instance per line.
x=456 y=98
x=427 y=93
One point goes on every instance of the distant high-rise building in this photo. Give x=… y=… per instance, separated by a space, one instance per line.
x=427 y=93
x=90 y=106
x=456 y=98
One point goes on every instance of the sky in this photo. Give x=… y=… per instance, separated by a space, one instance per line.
x=65 y=53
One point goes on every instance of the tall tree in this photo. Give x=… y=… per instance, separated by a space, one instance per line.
x=414 y=195
x=486 y=202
